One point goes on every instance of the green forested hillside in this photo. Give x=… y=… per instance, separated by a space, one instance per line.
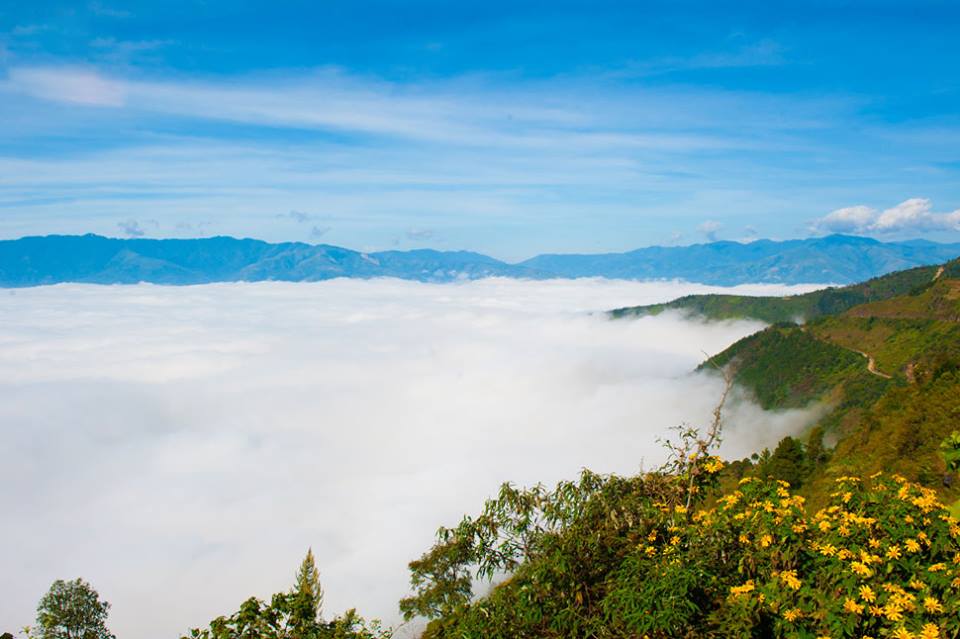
x=787 y=367
x=793 y=308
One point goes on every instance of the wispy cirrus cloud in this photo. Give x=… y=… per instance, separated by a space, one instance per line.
x=75 y=85
x=468 y=111
x=455 y=154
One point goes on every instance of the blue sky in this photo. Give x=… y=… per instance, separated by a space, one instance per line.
x=510 y=128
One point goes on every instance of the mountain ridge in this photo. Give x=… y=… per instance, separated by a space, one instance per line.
x=90 y=258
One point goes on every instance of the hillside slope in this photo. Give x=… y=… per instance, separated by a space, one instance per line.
x=888 y=368
x=794 y=308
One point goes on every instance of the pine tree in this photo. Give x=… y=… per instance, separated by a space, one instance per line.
x=308 y=590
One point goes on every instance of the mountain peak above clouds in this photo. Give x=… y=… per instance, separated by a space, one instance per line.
x=51 y=259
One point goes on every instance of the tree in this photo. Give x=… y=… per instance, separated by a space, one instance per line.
x=788 y=462
x=72 y=610
x=307 y=592
x=817 y=453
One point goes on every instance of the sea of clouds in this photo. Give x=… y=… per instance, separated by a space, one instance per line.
x=180 y=448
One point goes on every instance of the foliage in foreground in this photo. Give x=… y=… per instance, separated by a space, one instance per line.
x=71 y=610
x=626 y=557
x=297 y=614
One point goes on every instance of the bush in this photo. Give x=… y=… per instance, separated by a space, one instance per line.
x=881 y=560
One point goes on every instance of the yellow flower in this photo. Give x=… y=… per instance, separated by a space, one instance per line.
x=650 y=550
x=873 y=543
x=765 y=541
x=680 y=510
x=930 y=631
x=931 y=605
x=916 y=584
x=652 y=536
x=789 y=577
x=927 y=501
x=674 y=540
x=824 y=525
x=893 y=552
x=713 y=465
x=744 y=539
x=828 y=550
x=893 y=612
x=937 y=567
x=876 y=611
x=861 y=569
x=902 y=633
x=852 y=606
x=792 y=615
x=736 y=591
x=912 y=545
x=867 y=594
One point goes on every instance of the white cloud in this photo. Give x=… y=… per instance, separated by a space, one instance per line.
x=849 y=219
x=73 y=85
x=915 y=214
x=474 y=111
x=709 y=229
x=181 y=447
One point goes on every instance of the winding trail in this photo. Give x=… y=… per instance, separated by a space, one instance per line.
x=872 y=364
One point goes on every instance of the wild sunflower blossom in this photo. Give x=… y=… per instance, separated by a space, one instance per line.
x=852 y=606
x=789 y=577
x=932 y=605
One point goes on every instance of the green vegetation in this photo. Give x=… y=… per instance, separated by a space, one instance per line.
x=787 y=367
x=297 y=614
x=637 y=557
x=71 y=610
x=829 y=301
x=888 y=371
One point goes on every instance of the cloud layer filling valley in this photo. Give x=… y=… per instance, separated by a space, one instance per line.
x=180 y=448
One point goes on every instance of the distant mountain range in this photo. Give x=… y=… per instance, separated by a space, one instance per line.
x=51 y=259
